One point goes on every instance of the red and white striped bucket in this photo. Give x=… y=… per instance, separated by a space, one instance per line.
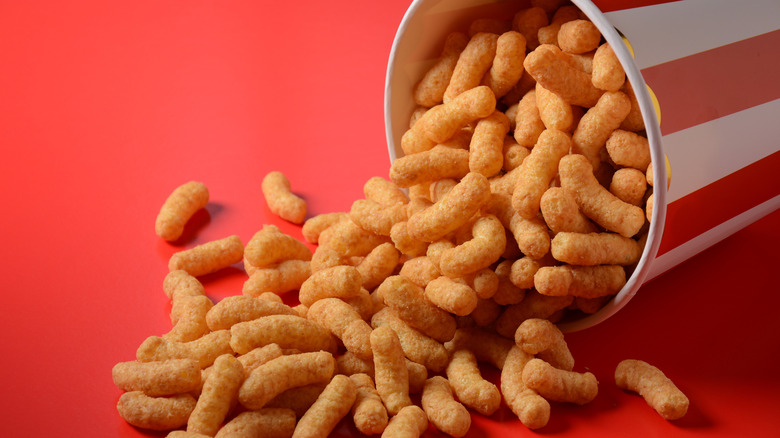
x=711 y=66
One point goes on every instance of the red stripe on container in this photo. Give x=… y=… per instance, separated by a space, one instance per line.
x=715 y=83
x=720 y=201
x=617 y=5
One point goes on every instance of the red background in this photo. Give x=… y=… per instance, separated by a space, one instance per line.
x=106 y=106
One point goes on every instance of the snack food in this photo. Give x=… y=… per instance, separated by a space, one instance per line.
x=209 y=257
x=281 y=200
x=503 y=232
x=651 y=383
x=179 y=207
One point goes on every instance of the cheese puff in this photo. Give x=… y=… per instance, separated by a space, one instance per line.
x=597 y=124
x=378 y=265
x=349 y=364
x=441 y=187
x=490 y=25
x=417 y=347
x=595 y=249
x=315 y=225
x=259 y=356
x=528 y=122
x=298 y=399
x=452 y=296
x=443 y=121
x=347 y=239
x=390 y=372
x=185 y=434
x=155 y=413
x=553 y=69
x=537 y=171
x=285 y=372
x=528 y=22
x=420 y=271
x=543 y=338
x=288 y=331
x=508 y=63
x=383 y=192
x=344 y=322
x=409 y=302
x=335 y=282
x=485 y=313
x=430 y=90
x=270 y=296
x=628 y=149
x=590 y=305
x=452 y=211
x=368 y=412
x=188 y=315
x=522 y=270
x=324 y=258
x=333 y=404
x=375 y=217
x=578 y=36
x=209 y=257
x=416 y=114
x=534 y=305
x=513 y=153
x=649 y=208
x=484 y=282
x=436 y=249
x=434 y=164
x=507 y=292
x=549 y=34
x=270 y=246
x=523 y=86
x=286 y=276
x=596 y=202
x=561 y=212
x=485 y=248
x=650 y=382
x=204 y=349
x=446 y=413
x=157 y=378
x=629 y=185
x=219 y=391
x=473 y=62
x=410 y=422
x=418 y=203
x=580 y=281
x=240 y=308
x=486 y=147
x=178 y=208
x=266 y=422
x=531 y=408
x=469 y=385
x=487 y=345
x=608 y=73
x=362 y=303
x=179 y=283
x=531 y=235
x=281 y=200
x=554 y=112
x=414 y=139
x=633 y=121
x=560 y=385
x=301 y=310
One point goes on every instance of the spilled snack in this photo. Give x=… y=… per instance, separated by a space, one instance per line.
x=523 y=199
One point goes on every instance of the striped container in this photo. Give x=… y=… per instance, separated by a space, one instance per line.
x=703 y=73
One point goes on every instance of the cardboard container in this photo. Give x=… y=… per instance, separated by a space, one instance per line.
x=650 y=39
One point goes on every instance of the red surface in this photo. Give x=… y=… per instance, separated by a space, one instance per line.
x=105 y=107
